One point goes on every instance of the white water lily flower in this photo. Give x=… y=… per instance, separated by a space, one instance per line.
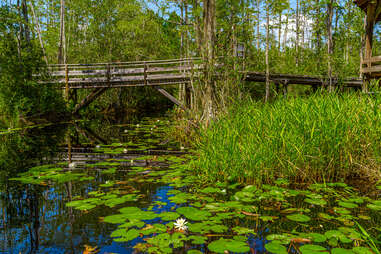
x=125 y=131
x=98 y=146
x=180 y=224
x=72 y=165
x=125 y=150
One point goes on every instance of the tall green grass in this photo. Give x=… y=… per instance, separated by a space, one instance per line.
x=315 y=139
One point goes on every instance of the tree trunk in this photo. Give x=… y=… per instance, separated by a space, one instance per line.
x=37 y=24
x=258 y=23
x=209 y=38
x=267 y=53
x=26 y=29
x=318 y=34
x=279 y=30
x=329 y=41
x=62 y=46
x=285 y=32
x=297 y=33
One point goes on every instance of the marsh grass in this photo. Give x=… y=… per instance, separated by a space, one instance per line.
x=325 y=137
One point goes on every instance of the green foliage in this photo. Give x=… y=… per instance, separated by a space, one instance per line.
x=321 y=138
x=20 y=64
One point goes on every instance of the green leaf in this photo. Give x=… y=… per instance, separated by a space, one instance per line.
x=312 y=249
x=167 y=216
x=192 y=213
x=197 y=239
x=222 y=245
x=298 y=217
x=125 y=236
x=341 y=251
x=282 y=238
x=276 y=248
x=347 y=204
x=362 y=250
x=194 y=252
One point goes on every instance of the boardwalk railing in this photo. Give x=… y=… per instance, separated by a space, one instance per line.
x=122 y=74
x=371 y=66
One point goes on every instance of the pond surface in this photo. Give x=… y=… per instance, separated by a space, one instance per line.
x=96 y=187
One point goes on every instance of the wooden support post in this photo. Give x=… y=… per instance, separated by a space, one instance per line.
x=370 y=21
x=277 y=88
x=145 y=73
x=89 y=99
x=68 y=140
x=108 y=74
x=171 y=98
x=285 y=88
x=187 y=96
x=66 y=83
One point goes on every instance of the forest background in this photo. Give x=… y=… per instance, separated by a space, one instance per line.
x=319 y=37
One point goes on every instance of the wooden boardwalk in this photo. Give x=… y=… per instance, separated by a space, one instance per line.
x=102 y=76
x=163 y=72
x=124 y=74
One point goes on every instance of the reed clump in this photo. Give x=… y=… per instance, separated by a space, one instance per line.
x=325 y=137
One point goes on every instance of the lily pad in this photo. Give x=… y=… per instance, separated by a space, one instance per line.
x=312 y=249
x=276 y=248
x=125 y=235
x=362 y=250
x=341 y=251
x=167 y=216
x=311 y=201
x=347 y=204
x=222 y=245
x=192 y=213
x=298 y=217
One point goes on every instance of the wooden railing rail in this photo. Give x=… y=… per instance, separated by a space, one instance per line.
x=371 y=66
x=172 y=71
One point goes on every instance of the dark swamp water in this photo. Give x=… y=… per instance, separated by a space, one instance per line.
x=96 y=187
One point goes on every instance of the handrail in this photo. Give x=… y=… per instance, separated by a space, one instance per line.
x=130 y=62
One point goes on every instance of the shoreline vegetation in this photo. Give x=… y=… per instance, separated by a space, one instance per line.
x=321 y=138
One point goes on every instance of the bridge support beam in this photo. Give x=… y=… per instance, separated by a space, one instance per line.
x=89 y=99
x=171 y=98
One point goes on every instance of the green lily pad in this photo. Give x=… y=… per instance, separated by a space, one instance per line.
x=192 y=213
x=298 y=217
x=312 y=249
x=167 y=216
x=315 y=237
x=362 y=250
x=194 y=252
x=125 y=235
x=281 y=238
x=198 y=239
x=210 y=190
x=243 y=231
x=311 y=201
x=347 y=204
x=222 y=245
x=276 y=248
x=341 y=251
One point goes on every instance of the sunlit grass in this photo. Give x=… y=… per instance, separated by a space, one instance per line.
x=319 y=138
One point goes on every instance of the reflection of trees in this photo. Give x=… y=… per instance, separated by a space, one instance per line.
x=21 y=203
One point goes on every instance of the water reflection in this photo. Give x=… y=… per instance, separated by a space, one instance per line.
x=34 y=218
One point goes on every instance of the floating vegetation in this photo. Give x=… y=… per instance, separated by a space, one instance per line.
x=156 y=204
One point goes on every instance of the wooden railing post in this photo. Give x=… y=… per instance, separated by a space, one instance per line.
x=108 y=74
x=145 y=73
x=66 y=83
